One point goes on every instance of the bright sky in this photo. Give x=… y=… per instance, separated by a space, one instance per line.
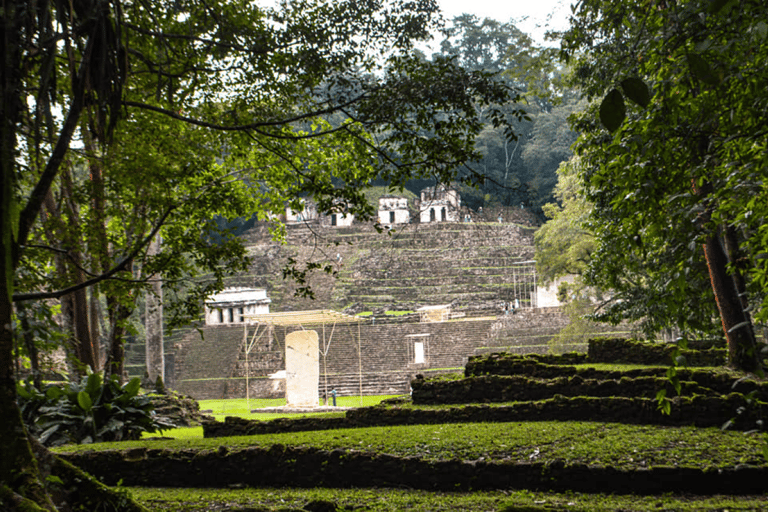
x=533 y=17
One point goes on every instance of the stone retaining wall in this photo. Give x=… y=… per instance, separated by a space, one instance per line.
x=381 y=362
x=214 y=366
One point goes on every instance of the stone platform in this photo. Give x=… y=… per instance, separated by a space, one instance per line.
x=301 y=410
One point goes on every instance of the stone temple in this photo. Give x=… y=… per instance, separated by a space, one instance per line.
x=419 y=299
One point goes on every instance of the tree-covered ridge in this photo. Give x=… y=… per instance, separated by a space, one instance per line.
x=519 y=171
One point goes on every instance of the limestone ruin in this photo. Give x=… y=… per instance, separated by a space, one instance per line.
x=232 y=305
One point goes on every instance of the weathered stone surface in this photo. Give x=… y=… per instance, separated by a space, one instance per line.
x=302 y=369
x=181 y=410
x=495 y=388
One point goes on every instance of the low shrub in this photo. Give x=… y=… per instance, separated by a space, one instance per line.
x=92 y=410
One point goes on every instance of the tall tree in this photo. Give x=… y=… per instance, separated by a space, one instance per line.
x=563 y=244
x=197 y=109
x=675 y=168
x=521 y=171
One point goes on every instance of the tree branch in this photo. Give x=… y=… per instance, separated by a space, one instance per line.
x=250 y=126
x=18 y=297
x=32 y=208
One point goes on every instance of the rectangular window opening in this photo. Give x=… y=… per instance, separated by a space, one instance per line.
x=418 y=352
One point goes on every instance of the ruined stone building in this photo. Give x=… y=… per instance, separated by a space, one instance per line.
x=393 y=210
x=439 y=204
x=433 y=294
x=310 y=214
x=233 y=305
x=307 y=213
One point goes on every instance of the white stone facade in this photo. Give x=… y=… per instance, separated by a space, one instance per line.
x=339 y=220
x=393 y=210
x=233 y=305
x=309 y=212
x=546 y=296
x=439 y=204
x=302 y=369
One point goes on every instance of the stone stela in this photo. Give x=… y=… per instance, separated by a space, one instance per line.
x=302 y=369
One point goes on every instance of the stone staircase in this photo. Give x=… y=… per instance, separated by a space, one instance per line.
x=413 y=266
x=383 y=383
x=526 y=332
x=204 y=364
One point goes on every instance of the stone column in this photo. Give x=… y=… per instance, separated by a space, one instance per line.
x=302 y=369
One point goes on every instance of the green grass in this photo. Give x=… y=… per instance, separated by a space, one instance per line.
x=612 y=367
x=390 y=500
x=242 y=408
x=603 y=444
x=177 y=433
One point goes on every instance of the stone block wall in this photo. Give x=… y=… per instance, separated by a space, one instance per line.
x=472 y=266
x=375 y=357
x=534 y=331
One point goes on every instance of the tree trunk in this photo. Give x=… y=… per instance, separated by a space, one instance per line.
x=742 y=349
x=29 y=344
x=94 y=321
x=738 y=266
x=154 y=322
x=18 y=468
x=115 y=363
x=737 y=325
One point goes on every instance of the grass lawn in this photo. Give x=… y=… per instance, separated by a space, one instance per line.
x=391 y=500
x=592 y=443
x=242 y=408
x=602 y=444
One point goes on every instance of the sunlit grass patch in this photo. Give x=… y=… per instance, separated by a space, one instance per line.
x=242 y=408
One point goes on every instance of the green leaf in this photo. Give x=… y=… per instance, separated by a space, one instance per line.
x=131 y=389
x=738 y=326
x=48 y=433
x=53 y=393
x=93 y=385
x=664 y=404
x=22 y=391
x=701 y=69
x=716 y=6
x=612 y=110
x=53 y=479
x=84 y=401
x=636 y=90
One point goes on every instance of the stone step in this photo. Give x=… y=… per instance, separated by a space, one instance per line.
x=385 y=383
